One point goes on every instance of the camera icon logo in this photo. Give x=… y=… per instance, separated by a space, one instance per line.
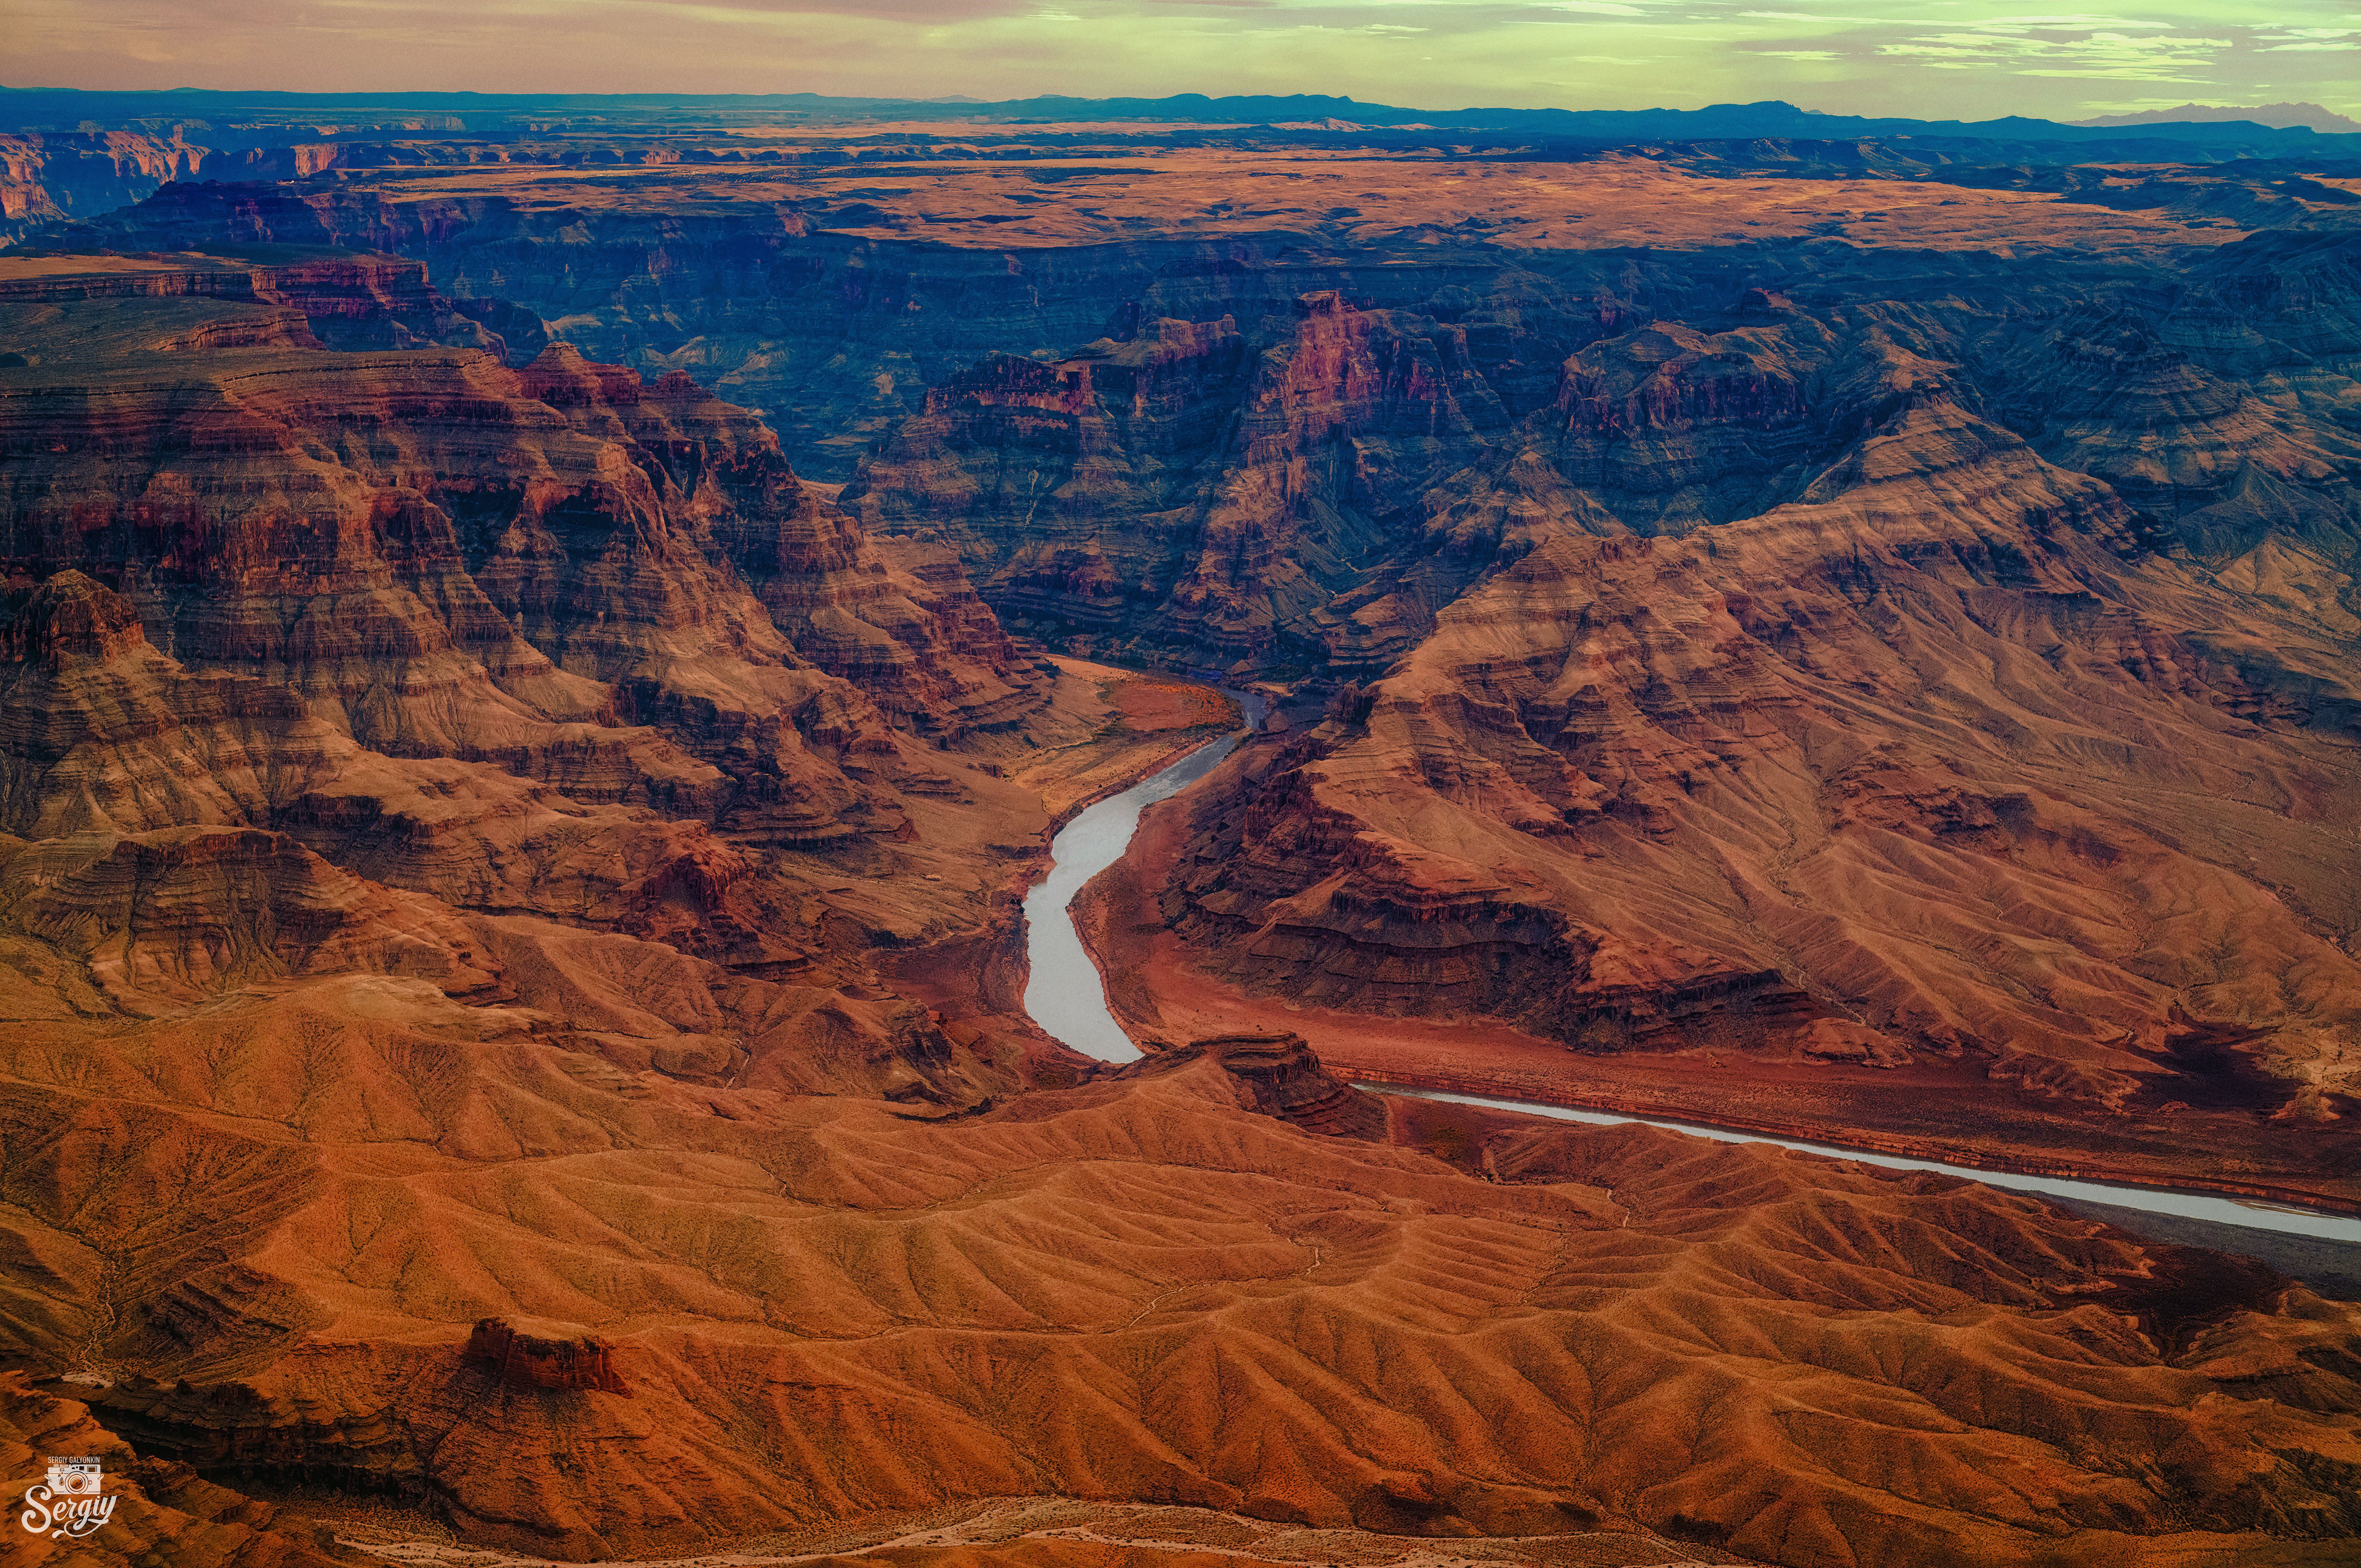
x=75 y=1477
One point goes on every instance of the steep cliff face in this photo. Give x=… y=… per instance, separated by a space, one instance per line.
x=449 y=557
x=160 y=1508
x=55 y=175
x=1070 y=486
x=833 y=337
x=2229 y=412
x=1176 y=490
x=1935 y=759
x=1355 y=415
x=410 y=664
x=1354 y=484
x=789 y=278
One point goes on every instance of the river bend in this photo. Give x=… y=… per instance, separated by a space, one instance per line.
x=1065 y=993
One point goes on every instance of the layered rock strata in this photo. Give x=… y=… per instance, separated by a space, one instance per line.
x=1937 y=760
x=1289 y=458
x=1179 y=485
x=523 y=1360
x=1278 y=1075
x=410 y=664
x=463 y=820
x=58 y=175
x=161 y=1510
x=832 y=302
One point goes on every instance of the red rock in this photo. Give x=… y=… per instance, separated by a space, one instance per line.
x=528 y=1361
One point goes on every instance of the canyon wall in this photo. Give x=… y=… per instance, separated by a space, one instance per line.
x=1724 y=482
x=493 y=862
x=49 y=176
x=1867 y=726
x=453 y=669
x=828 y=280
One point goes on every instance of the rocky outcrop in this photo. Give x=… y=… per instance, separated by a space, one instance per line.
x=1278 y=1075
x=110 y=744
x=354 y=301
x=161 y=1509
x=529 y=1360
x=1070 y=489
x=1176 y=491
x=428 y=606
x=49 y=176
x=1762 y=780
x=386 y=663
x=173 y=916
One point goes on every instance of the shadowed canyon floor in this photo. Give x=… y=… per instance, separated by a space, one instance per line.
x=509 y=992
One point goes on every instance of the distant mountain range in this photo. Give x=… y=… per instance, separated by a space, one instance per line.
x=2279 y=115
x=2302 y=130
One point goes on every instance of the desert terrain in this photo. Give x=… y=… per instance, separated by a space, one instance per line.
x=537 y=664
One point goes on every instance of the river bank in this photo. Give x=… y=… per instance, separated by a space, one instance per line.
x=1138 y=724
x=1924 y=1113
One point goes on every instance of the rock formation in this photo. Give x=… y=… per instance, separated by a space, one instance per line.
x=1172 y=486
x=781 y=273
x=506 y=906
x=1280 y=1077
x=404 y=662
x=1140 y=1289
x=1790 y=773
x=530 y=1360
x=162 y=1509
x=45 y=178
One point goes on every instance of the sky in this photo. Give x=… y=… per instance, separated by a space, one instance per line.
x=1931 y=58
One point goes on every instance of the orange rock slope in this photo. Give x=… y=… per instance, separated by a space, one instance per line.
x=265 y=1236
x=1943 y=760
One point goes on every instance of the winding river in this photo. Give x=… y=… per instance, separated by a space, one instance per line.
x=1066 y=996
x=1063 y=991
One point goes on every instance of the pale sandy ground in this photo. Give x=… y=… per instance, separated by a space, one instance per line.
x=1018 y=1531
x=1140 y=722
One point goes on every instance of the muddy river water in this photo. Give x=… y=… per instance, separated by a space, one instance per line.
x=1063 y=991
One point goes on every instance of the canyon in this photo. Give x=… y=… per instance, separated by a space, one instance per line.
x=539 y=668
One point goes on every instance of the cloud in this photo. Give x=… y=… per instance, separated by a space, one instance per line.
x=2023 y=46
x=1937 y=57
x=2066 y=24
